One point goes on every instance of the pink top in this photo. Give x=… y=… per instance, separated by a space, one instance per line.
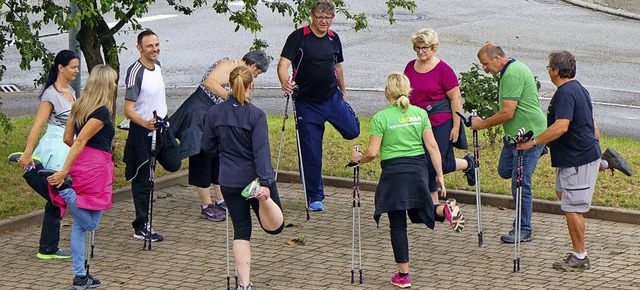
x=92 y=180
x=431 y=87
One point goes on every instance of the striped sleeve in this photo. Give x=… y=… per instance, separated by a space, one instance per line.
x=134 y=81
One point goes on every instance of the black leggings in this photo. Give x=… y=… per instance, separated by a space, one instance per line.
x=399 y=240
x=238 y=208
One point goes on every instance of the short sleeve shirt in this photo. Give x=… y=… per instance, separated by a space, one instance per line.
x=577 y=146
x=431 y=87
x=401 y=132
x=146 y=87
x=61 y=105
x=518 y=84
x=313 y=59
x=102 y=139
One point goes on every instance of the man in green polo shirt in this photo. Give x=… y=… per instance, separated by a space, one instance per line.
x=519 y=107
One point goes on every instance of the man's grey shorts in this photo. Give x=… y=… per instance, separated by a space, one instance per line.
x=576 y=185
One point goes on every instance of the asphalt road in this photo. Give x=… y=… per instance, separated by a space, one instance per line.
x=608 y=58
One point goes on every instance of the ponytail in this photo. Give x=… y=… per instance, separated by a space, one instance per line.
x=403 y=103
x=240 y=78
x=397 y=89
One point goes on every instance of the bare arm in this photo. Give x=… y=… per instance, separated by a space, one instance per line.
x=559 y=127
x=372 y=150
x=340 y=75
x=218 y=77
x=595 y=127
x=283 y=75
x=456 y=106
x=436 y=160
x=69 y=131
x=505 y=114
x=130 y=112
x=44 y=111
x=89 y=130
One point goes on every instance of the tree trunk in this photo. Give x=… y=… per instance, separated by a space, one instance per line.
x=90 y=46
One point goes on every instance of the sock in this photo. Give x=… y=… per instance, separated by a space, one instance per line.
x=581 y=256
x=204 y=206
x=403 y=274
x=604 y=164
x=219 y=202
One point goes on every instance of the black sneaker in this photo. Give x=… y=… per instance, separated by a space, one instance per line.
x=142 y=234
x=213 y=212
x=470 y=171
x=13 y=157
x=81 y=283
x=65 y=184
x=510 y=238
x=616 y=161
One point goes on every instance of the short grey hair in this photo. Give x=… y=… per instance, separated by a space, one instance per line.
x=257 y=57
x=325 y=6
x=564 y=62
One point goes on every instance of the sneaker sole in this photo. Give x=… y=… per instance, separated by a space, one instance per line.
x=569 y=269
x=457 y=219
x=212 y=219
x=75 y=287
x=51 y=257
x=141 y=237
x=624 y=166
x=401 y=285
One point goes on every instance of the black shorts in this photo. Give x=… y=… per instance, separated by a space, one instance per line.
x=204 y=169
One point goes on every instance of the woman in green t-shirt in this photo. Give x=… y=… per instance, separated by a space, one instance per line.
x=398 y=133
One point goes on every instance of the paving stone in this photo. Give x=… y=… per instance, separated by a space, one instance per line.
x=193 y=253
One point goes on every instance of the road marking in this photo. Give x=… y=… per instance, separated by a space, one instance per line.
x=148 y=18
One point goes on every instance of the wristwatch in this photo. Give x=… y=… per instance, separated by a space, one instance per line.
x=533 y=142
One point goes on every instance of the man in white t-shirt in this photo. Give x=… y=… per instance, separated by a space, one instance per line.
x=145 y=94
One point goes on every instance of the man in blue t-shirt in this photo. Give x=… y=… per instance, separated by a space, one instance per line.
x=573 y=139
x=316 y=54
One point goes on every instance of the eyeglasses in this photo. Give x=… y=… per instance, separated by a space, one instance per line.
x=421 y=48
x=323 y=18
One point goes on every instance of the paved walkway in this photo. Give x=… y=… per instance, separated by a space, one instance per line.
x=193 y=254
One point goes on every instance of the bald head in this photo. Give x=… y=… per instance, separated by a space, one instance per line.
x=492 y=58
x=490 y=50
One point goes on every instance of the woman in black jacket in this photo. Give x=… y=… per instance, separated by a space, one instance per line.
x=237 y=130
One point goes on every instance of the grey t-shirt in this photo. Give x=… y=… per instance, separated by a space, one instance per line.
x=61 y=106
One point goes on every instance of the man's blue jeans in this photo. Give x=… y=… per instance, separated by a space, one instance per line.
x=507 y=168
x=84 y=220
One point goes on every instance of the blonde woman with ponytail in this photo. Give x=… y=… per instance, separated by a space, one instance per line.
x=85 y=181
x=237 y=130
x=398 y=133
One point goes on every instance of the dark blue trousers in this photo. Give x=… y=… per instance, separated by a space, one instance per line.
x=311 y=120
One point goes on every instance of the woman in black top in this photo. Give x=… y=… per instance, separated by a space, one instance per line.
x=90 y=163
x=237 y=130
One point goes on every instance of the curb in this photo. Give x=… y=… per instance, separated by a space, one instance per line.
x=489 y=199
x=466 y=197
x=35 y=217
x=603 y=9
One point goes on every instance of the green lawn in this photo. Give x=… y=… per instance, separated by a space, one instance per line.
x=17 y=198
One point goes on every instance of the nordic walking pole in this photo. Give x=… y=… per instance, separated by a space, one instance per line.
x=476 y=158
x=284 y=121
x=520 y=138
x=227 y=242
x=356 y=204
x=88 y=250
x=295 y=118
x=159 y=125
